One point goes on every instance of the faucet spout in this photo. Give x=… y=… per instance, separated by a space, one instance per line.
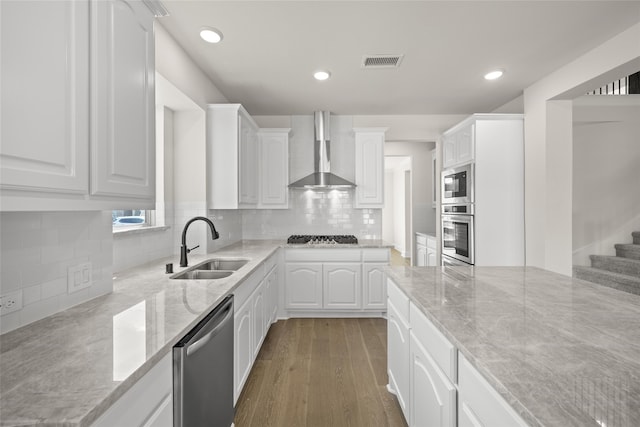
x=183 y=248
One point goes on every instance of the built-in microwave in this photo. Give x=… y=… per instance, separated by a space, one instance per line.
x=457 y=237
x=457 y=185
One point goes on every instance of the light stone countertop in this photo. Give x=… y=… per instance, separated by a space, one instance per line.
x=426 y=233
x=69 y=368
x=561 y=351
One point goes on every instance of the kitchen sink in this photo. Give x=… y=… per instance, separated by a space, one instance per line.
x=221 y=264
x=211 y=269
x=202 y=275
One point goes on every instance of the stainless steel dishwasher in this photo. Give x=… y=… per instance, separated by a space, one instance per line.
x=203 y=371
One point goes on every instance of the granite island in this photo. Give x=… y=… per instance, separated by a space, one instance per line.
x=560 y=351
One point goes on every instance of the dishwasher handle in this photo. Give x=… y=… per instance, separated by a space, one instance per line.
x=192 y=348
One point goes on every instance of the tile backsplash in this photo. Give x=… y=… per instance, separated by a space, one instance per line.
x=37 y=248
x=314 y=212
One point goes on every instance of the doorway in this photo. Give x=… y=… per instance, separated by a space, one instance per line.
x=397 y=211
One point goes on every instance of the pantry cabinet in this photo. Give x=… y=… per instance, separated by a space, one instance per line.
x=94 y=143
x=369 y=168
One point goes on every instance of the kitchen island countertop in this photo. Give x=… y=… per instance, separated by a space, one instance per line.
x=561 y=351
x=68 y=368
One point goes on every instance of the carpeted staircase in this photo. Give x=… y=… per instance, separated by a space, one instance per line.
x=620 y=272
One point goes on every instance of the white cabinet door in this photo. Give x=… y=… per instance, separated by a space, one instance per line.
x=430 y=257
x=373 y=287
x=369 y=168
x=259 y=314
x=243 y=346
x=272 y=280
x=274 y=168
x=149 y=402
x=465 y=145
x=421 y=256
x=398 y=356
x=433 y=396
x=342 y=286
x=123 y=100
x=248 y=162
x=479 y=404
x=303 y=285
x=449 y=151
x=45 y=96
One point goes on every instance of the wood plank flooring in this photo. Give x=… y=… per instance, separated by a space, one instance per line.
x=320 y=373
x=397 y=259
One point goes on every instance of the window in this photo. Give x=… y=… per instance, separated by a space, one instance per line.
x=129 y=218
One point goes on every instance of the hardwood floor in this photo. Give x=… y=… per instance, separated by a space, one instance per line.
x=397 y=259
x=320 y=373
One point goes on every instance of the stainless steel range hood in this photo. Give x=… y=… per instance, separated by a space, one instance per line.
x=322 y=178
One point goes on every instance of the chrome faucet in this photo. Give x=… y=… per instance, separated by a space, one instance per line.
x=183 y=249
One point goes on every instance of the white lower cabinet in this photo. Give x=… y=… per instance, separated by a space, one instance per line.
x=259 y=326
x=335 y=279
x=435 y=384
x=433 y=396
x=373 y=286
x=148 y=403
x=398 y=357
x=303 y=285
x=479 y=404
x=242 y=346
x=342 y=286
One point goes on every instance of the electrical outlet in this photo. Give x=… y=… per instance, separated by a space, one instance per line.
x=79 y=277
x=10 y=302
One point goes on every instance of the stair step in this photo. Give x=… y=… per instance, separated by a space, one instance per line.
x=636 y=237
x=628 y=251
x=630 y=267
x=607 y=278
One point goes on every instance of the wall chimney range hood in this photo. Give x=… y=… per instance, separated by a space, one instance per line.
x=322 y=178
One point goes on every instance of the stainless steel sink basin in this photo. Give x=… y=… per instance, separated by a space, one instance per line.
x=211 y=269
x=202 y=275
x=221 y=264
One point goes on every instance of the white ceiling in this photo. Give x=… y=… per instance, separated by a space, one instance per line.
x=271 y=49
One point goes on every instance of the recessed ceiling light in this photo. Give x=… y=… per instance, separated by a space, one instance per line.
x=321 y=75
x=210 y=35
x=492 y=75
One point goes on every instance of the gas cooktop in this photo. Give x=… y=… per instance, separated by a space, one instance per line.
x=309 y=239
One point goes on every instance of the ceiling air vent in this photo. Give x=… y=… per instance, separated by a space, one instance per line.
x=381 y=61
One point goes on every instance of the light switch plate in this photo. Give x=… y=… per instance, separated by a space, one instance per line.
x=10 y=302
x=79 y=277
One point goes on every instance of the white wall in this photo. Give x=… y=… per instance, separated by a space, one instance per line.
x=548 y=145
x=38 y=247
x=396 y=215
x=606 y=174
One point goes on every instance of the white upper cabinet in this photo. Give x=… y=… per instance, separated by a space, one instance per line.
x=123 y=101
x=274 y=168
x=369 y=167
x=458 y=146
x=232 y=157
x=77 y=105
x=45 y=97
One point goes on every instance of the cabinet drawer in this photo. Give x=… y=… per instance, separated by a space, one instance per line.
x=399 y=300
x=323 y=255
x=479 y=403
x=270 y=263
x=375 y=255
x=246 y=288
x=438 y=346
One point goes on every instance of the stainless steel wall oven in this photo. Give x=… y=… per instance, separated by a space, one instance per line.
x=458 y=236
